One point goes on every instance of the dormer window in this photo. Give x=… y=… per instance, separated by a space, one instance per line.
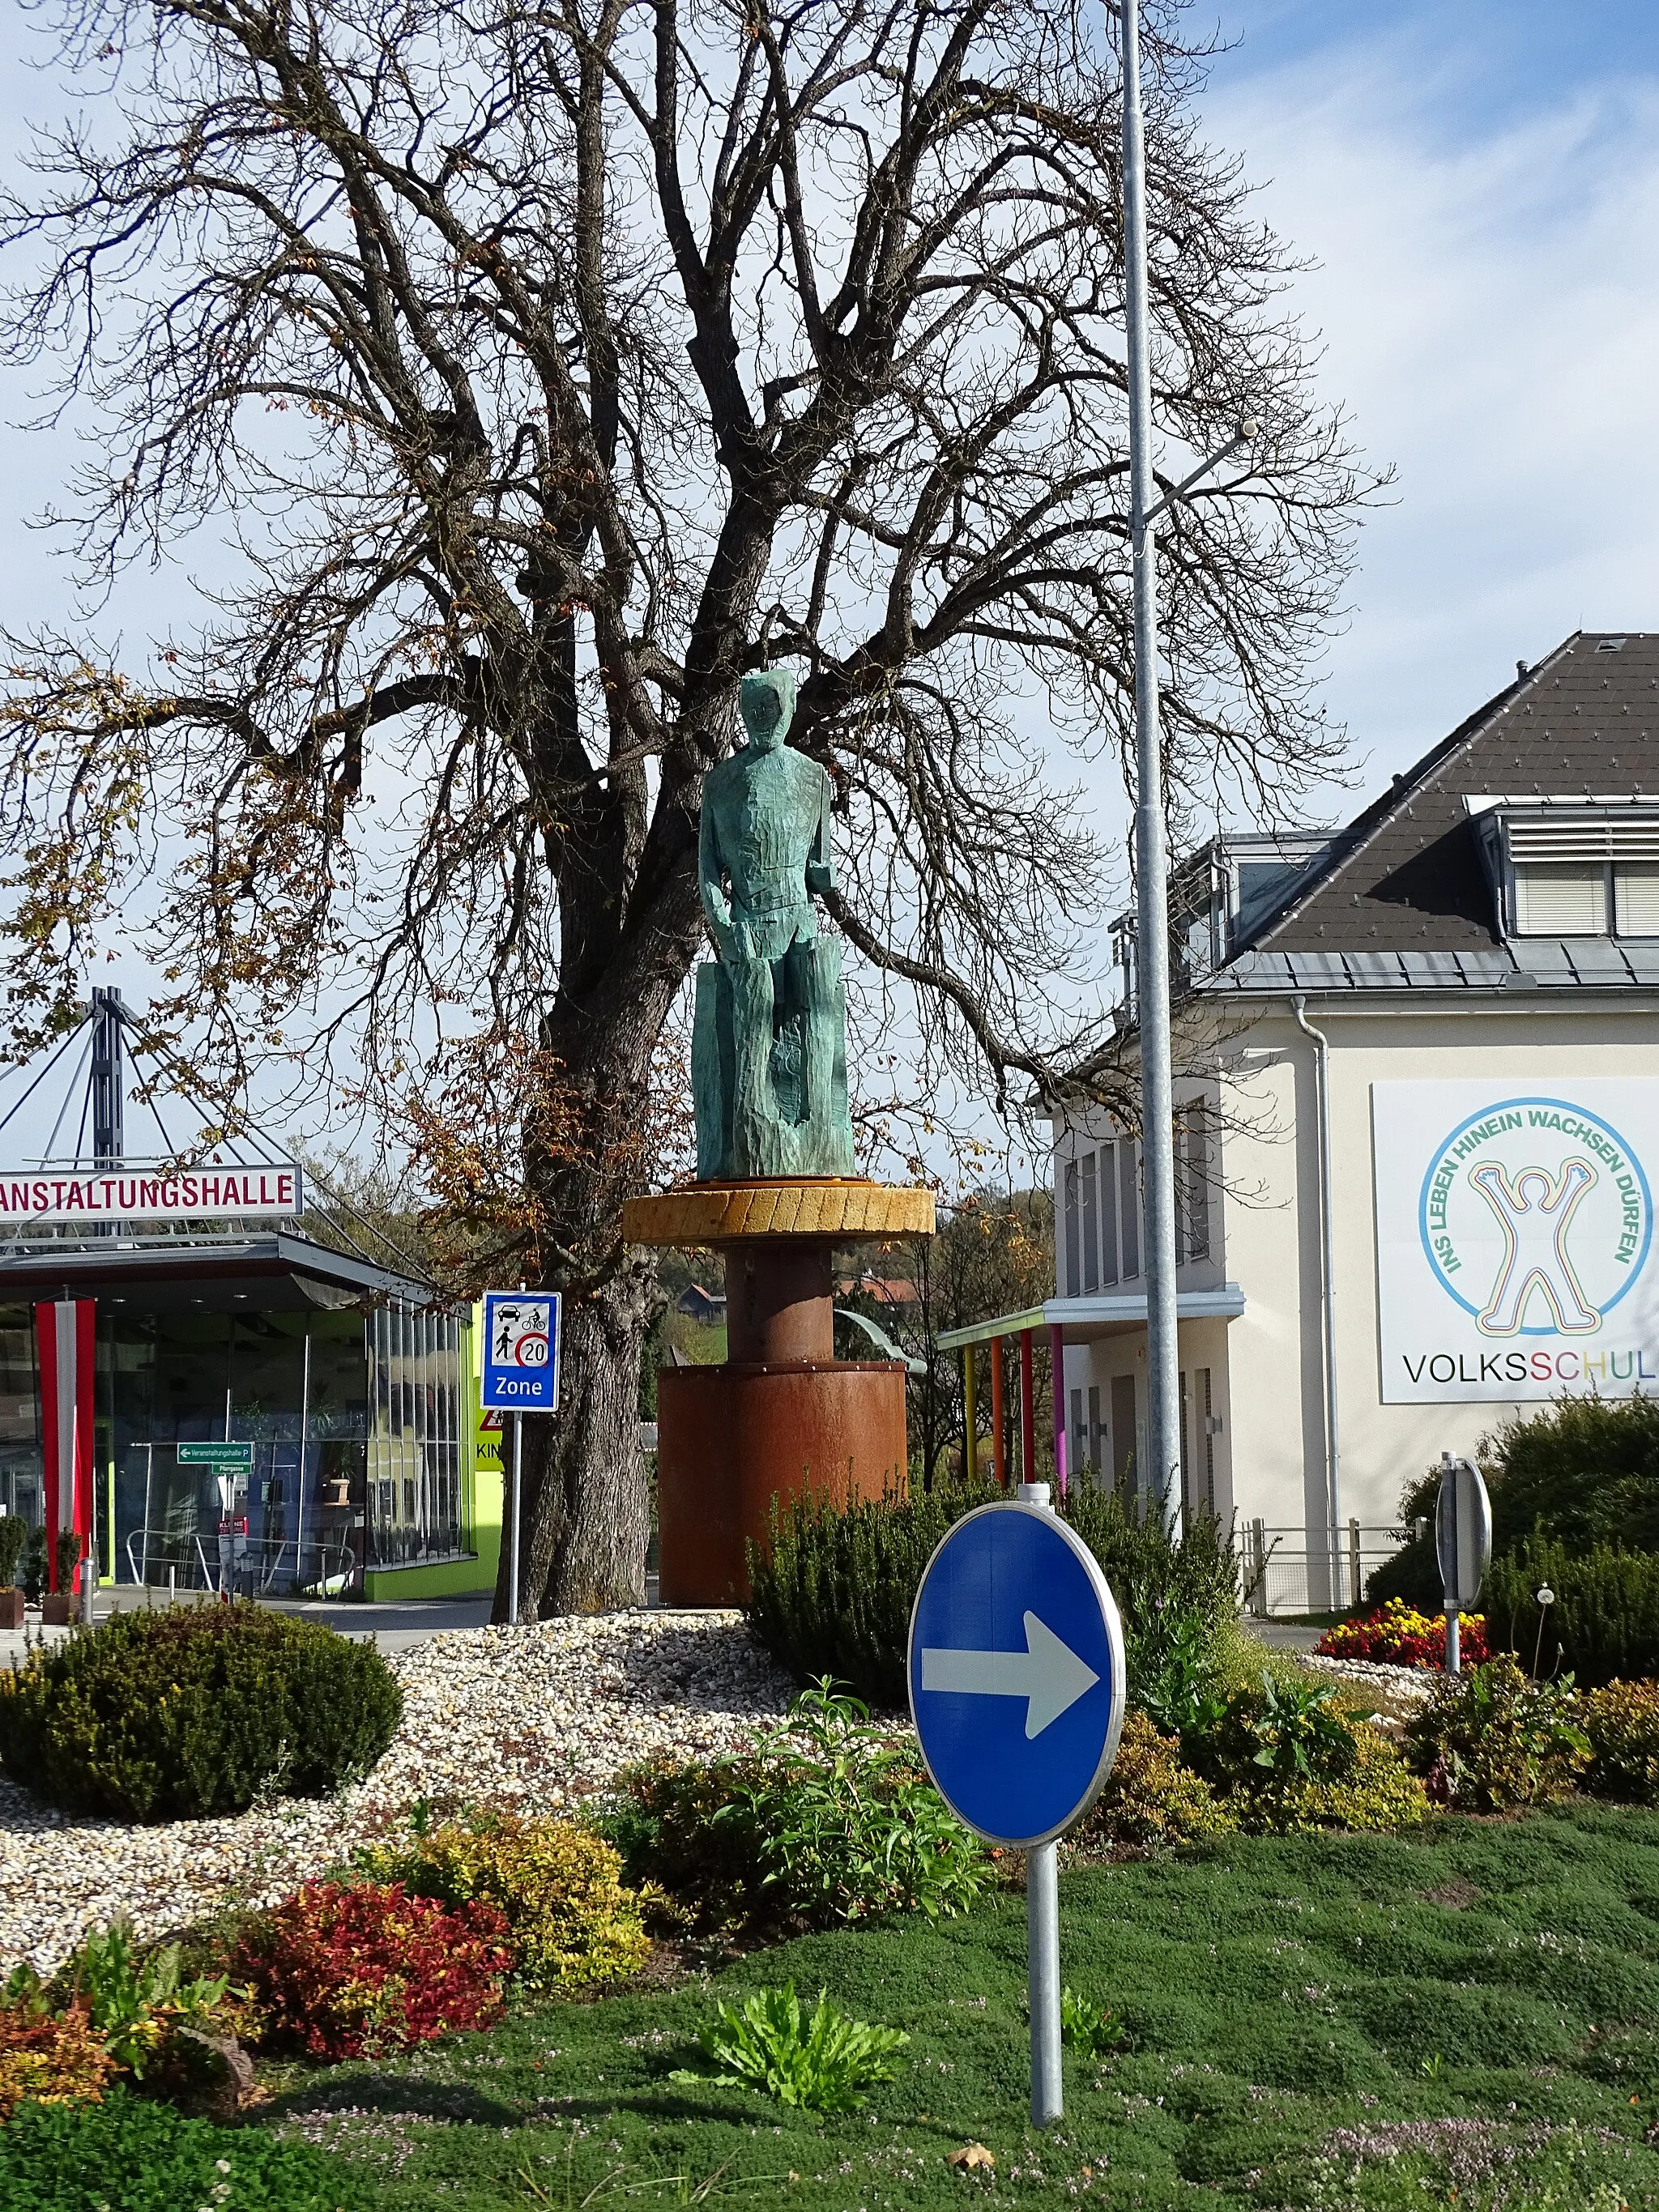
x=1570 y=868
x=1560 y=898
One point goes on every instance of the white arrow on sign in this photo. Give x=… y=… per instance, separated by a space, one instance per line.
x=1047 y=1673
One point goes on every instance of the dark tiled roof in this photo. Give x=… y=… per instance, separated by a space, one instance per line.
x=1536 y=964
x=1583 y=720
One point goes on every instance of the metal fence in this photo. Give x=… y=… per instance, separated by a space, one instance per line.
x=1281 y=1573
x=241 y=1566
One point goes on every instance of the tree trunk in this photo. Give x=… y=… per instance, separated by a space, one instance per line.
x=584 y=1508
x=585 y=1514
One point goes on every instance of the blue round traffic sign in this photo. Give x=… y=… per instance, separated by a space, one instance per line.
x=1016 y=1672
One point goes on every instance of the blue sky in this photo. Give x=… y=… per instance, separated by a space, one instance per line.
x=1479 y=184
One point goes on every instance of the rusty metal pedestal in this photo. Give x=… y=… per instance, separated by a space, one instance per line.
x=783 y=1415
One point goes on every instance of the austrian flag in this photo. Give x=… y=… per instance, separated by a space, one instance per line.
x=65 y=1337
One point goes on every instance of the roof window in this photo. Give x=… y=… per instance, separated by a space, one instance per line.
x=1611 y=645
x=1560 y=899
x=1568 y=867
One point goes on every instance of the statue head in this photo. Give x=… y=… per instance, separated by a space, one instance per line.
x=766 y=700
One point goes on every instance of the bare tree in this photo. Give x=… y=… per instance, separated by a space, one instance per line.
x=531 y=370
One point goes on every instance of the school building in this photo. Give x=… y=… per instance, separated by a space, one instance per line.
x=1418 y=1123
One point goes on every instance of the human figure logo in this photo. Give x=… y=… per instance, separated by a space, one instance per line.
x=1537 y=1217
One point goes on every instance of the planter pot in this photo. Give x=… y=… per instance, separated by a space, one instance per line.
x=59 y=1611
x=11 y=1608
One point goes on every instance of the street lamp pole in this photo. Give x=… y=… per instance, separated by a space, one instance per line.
x=1163 y=1473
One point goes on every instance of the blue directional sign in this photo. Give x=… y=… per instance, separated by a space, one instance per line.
x=520 y=1351
x=1015 y=1668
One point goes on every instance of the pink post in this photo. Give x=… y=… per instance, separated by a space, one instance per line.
x=1057 y=1365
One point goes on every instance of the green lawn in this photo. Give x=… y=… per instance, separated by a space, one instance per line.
x=1493 y=1991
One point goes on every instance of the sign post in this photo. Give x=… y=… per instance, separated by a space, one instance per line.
x=1463 y=1538
x=520 y=1376
x=1017 y=1686
x=228 y=1458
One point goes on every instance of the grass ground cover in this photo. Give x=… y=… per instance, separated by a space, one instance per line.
x=1318 y=2020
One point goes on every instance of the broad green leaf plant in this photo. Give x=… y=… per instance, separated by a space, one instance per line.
x=819 y=2060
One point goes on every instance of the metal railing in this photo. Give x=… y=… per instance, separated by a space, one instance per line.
x=1280 y=1572
x=249 y=1565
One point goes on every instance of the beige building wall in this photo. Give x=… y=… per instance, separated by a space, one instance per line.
x=1270 y=1201
x=1267 y=1366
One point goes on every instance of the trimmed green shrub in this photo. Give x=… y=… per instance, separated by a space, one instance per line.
x=1604 y=1623
x=32 y=1581
x=1622 y=1722
x=833 y=1589
x=1584 y=1471
x=831 y=1592
x=1489 y=1739
x=195 y=1710
x=14 y=1541
x=557 y=1886
x=1411 y=1576
x=1583 y=1474
x=829 y=1821
x=127 y=2155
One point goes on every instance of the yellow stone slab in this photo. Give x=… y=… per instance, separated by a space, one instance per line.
x=724 y=1212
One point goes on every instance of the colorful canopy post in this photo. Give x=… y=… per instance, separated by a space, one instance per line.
x=1027 y=1410
x=1057 y=1365
x=969 y=1414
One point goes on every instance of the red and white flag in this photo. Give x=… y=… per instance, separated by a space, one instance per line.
x=64 y=1335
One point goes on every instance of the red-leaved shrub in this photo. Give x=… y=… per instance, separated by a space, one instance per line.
x=342 y=1971
x=1397 y=1635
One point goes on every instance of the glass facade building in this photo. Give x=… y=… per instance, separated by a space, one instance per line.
x=353 y=1391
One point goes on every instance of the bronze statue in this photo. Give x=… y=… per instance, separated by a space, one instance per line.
x=768 y=1046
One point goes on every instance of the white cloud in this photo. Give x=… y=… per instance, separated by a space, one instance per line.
x=1488 y=296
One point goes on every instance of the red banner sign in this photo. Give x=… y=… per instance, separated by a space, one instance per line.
x=63 y=1335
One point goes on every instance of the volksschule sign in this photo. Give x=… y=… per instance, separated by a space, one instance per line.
x=1515 y=1228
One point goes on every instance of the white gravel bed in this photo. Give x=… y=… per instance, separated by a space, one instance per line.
x=526 y=1719
x=1407 y=1685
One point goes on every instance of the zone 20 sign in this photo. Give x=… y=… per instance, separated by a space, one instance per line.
x=1514 y=1237
x=520 y=1351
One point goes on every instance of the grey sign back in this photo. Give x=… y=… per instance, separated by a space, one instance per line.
x=1463 y=1531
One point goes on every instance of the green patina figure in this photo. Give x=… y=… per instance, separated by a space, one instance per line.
x=769 y=1043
